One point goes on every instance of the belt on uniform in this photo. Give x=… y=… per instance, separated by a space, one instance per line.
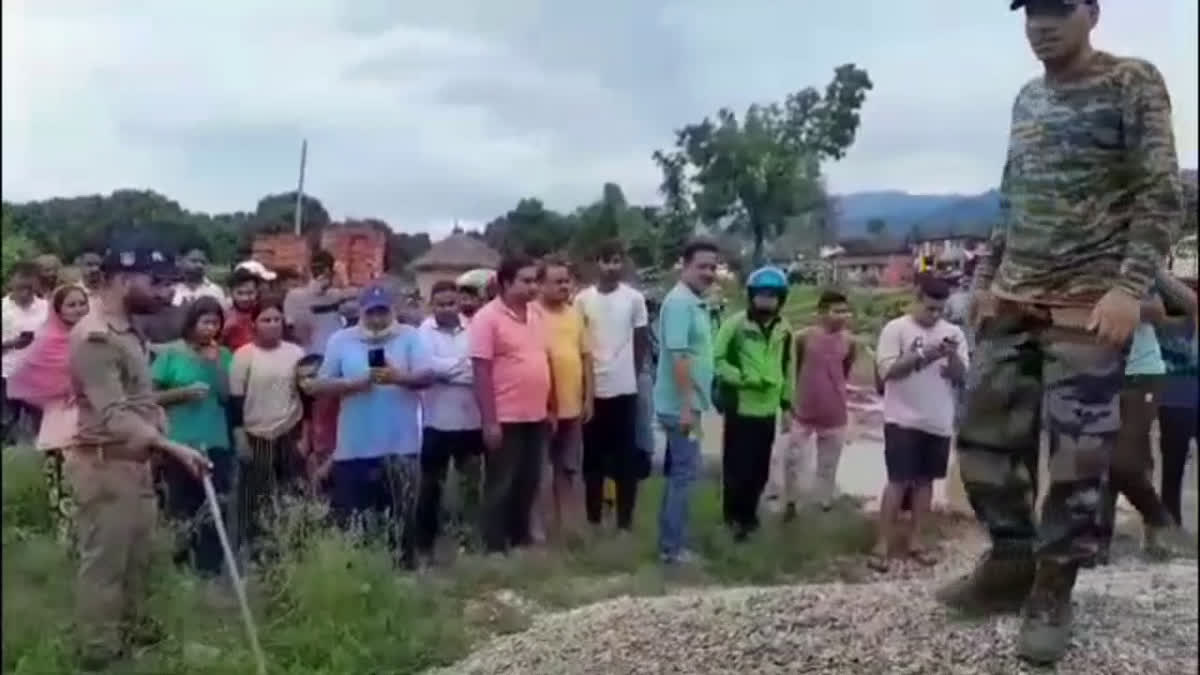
x=114 y=452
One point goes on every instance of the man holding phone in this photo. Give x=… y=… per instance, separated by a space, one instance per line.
x=21 y=313
x=922 y=359
x=375 y=368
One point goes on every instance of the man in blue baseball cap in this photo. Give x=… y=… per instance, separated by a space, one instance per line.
x=376 y=368
x=120 y=427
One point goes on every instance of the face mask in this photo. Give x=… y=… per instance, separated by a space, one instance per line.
x=377 y=335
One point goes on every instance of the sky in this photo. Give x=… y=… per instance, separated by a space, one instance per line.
x=427 y=113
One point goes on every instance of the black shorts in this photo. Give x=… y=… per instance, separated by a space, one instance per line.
x=914 y=456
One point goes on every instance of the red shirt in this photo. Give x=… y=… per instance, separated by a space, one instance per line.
x=239 y=330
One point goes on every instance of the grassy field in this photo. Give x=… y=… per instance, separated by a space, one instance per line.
x=331 y=606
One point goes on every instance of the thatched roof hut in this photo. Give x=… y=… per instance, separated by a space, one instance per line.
x=451 y=257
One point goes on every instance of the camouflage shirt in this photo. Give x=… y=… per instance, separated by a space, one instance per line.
x=1090 y=192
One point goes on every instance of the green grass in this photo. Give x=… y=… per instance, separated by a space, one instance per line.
x=332 y=606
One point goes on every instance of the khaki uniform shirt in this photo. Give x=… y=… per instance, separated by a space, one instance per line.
x=110 y=371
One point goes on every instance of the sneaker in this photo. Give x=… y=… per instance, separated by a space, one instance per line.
x=789 y=512
x=1048 y=615
x=995 y=586
x=1164 y=543
x=97 y=658
x=682 y=557
x=144 y=632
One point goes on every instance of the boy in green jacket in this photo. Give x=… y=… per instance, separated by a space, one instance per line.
x=752 y=352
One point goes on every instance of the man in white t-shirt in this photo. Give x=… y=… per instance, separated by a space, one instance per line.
x=193 y=268
x=615 y=316
x=922 y=359
x=22 y=313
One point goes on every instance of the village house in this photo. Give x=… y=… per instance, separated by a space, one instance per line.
x=449 y=258
x=873 y=262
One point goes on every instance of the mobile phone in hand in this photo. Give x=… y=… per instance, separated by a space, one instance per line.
x=375 y=359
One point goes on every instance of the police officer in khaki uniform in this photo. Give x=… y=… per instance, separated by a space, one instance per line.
x=120 y=426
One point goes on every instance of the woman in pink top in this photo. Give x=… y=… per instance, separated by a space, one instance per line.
x=43 y=380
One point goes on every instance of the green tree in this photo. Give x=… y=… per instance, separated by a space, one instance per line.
x=751 y=175
x=529 y=228
x=277 y=213
x=14 y=246
x=877 y=227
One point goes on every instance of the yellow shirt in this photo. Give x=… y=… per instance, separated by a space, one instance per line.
x=565 y=341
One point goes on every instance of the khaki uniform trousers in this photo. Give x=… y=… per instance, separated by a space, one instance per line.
x=115 y=514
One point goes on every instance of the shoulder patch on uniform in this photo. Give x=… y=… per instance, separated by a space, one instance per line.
x=96 y=336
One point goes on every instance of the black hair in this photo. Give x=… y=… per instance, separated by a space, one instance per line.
x=241 y=276
x=200 y=307
x=23 y=268
x=829 y=298
x=264 y=305
x=90 y=247
x=196 y=244
x=60 y=296
x=609 y=249
x=442 y=286
x=554 y=260
x=322 y=261
x=934 y=288
x=699 y=246
x=509 y=267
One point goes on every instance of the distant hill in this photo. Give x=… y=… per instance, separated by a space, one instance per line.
x=932 y=215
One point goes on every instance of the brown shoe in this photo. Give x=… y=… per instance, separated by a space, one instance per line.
x=996 y=586
x=144 y=632
x=1046 y=631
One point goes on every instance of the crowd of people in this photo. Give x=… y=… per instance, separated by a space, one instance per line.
x=539 y=393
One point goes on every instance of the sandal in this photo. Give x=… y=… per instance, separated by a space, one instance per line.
x=923 y=557
x=878 y=562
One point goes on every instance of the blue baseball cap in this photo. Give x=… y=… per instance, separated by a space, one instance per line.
x=376 y=296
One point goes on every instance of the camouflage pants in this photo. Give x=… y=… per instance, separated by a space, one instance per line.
x=1023 y=359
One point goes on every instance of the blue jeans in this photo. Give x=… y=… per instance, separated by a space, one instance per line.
x=676 y=502
x=645 y=414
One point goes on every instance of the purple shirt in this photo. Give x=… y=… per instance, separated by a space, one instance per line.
x=821 y=384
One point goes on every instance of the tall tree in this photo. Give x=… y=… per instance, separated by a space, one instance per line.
x=751 y=175
x=529 y=228
x=277 y=213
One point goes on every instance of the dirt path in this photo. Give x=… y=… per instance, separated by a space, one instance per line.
x=862 y=474
x=1131 y=619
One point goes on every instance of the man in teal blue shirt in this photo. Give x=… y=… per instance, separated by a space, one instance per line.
x=1133 y=458
x=682 y=389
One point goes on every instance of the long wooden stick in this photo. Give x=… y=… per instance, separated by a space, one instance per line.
x=239 y=588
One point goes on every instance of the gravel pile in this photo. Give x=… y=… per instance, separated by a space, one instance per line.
x=1130 y=618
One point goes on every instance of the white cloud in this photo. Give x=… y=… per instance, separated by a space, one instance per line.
x=424 y=114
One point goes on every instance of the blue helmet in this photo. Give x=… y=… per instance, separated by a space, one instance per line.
x=767 y=278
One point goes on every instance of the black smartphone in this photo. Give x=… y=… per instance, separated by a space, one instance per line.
x=375 y=359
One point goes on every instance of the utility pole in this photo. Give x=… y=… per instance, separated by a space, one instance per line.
x=300 y=188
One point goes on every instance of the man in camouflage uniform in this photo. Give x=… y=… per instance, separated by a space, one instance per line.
x=1091 y=197
x=109 y=469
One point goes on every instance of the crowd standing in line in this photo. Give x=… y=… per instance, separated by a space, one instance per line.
x=535 y=393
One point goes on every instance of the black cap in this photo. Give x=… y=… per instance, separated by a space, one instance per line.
x=134 y=253
x=1018 y=4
